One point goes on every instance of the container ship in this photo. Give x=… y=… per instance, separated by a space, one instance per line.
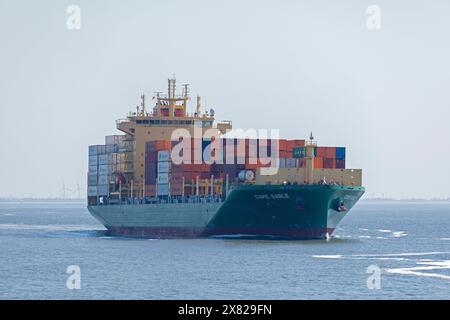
x=174 y=174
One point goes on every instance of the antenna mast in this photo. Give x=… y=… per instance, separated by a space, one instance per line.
x=197 y=109
x=185 y=96
x=143 y=104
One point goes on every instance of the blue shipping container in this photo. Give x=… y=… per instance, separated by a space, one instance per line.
x=340 y=153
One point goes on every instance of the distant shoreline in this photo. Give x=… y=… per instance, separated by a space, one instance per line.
x=405 y=200
x=84 y=200
x=40 y=199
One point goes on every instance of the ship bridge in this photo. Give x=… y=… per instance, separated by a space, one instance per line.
x=168 y=114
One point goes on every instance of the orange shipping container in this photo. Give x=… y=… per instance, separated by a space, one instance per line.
x=318 y=162
x=163 y=145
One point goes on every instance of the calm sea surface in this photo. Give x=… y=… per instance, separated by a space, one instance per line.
x=408 y=241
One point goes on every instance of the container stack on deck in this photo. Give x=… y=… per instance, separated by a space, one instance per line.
x=201 y=172
x=325 y=157
x=108 y=165
x=163 y=177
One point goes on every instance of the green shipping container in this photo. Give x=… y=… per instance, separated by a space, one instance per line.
x=299 y=152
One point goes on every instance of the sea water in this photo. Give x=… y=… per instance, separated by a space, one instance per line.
x=381 y=250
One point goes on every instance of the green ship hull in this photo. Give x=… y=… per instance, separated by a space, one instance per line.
x=249 y=211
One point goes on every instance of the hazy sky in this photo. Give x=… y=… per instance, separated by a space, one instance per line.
x=299 y=66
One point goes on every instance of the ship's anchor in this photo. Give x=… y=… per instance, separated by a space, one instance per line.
x=341 y=206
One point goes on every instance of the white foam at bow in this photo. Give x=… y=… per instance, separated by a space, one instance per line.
x=329 y=256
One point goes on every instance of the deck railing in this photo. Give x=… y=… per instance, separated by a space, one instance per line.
x=105 y=201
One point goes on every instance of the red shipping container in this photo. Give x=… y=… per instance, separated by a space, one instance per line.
x=330 y=152
x=296 y=143
x=320 y=152
x=284 y=154
x=179 y=113
x=291 y=144
x=329 y=163
x=318 y=162
x=282 y=145
x=150 y=190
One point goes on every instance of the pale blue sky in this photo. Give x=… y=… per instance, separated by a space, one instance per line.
x=299 y=66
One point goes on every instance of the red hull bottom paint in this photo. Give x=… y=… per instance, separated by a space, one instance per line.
x=190 y=233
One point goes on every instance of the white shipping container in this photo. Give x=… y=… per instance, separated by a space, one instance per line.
x=103 y=159
x=103 y=179
x=93 y=160
x=111 y=148
x=114 y=139
x=102 y=190
x=104 y=169
x=97 y=150
x=162 y=189
x=112 y=158
x=163 y=155
x=92 y=191
x=93 y=150
x=163 y=178
x=120 y=157
x=163 y=167
x=92 y=179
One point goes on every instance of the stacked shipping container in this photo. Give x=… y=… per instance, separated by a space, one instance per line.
x=325 y=157
x=208 y=163
x=106 y=163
